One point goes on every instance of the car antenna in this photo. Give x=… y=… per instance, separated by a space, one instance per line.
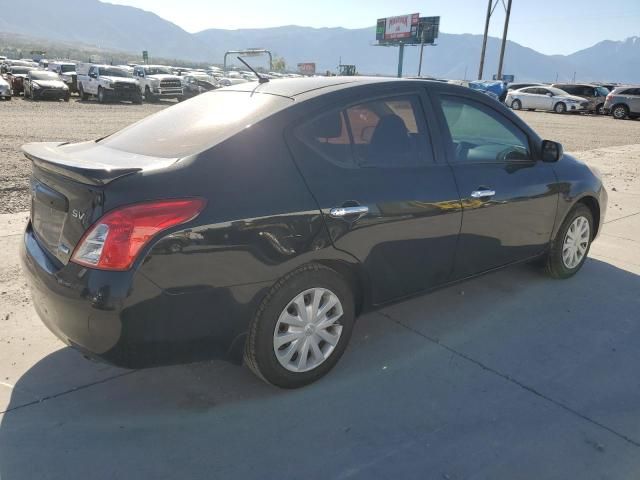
x=261 y=79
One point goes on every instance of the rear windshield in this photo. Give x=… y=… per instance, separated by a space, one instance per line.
x=21 y=70
x=193 y=126
x=67 y=68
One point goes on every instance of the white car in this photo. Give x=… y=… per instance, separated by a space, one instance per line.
x=5 y=89
x=545 y=98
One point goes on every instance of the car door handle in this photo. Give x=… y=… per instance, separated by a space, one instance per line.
x=345 y=211
x=483 y=193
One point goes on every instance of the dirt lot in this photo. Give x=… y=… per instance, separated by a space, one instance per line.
x=511 y=375
x=26 y=121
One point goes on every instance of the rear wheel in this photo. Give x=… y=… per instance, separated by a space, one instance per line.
x=83 y=96
x=516 y=105
x=302 y=327
x=560 y=108
x=620 y=112
x=600 y=109
x=571 y=246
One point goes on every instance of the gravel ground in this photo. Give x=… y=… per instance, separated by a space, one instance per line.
x=26 y=121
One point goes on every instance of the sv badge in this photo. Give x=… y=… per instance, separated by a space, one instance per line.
x=78 y=214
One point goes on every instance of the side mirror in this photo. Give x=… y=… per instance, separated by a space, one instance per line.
x=549 y=94
x=551 y=151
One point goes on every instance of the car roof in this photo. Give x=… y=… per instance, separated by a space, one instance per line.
x=315 y=86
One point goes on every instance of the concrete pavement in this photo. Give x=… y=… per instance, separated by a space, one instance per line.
x=510 y=375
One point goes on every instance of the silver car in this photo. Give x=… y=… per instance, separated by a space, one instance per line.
x=623 y=102
x=545 y=98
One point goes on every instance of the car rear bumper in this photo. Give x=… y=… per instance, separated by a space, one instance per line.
x=124 y=319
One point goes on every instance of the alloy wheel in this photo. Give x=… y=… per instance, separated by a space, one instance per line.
x=308 y=330
x=576 y=242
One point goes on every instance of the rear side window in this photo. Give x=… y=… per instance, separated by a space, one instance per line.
x=481 y=135
x=388 y=132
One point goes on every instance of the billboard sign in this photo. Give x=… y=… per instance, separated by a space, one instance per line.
x=398 y=29
x=307 y=68
x=505 y=77
x=428 y=29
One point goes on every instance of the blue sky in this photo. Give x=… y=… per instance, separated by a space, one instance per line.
x=549 y=26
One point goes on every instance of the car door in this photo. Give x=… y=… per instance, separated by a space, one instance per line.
x=375 y=166
x=545 y=98
x=633 y=100
x=532 y=99
x=509 y=198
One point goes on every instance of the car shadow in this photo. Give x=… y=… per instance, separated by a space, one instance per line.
x=162 y=402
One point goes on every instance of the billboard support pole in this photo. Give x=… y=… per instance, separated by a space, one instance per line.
x=504 y=39
x=484 y=40
x=400 y=60
x=421 y=51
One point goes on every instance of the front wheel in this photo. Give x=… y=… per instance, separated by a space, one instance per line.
x=560 y=108
x=600 y=109
x=101 y=95
x=148 y=96
x=571 y=246
x=516 y=105
x=302 y=327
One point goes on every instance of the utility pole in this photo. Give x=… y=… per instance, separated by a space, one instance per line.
x=484 y=40
x=504 y=39
x=400 y=60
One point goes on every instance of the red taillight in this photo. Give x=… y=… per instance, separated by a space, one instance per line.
x=114 y=241
x=609 y=97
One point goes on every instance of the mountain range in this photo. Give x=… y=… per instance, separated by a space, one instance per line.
x=130 y=29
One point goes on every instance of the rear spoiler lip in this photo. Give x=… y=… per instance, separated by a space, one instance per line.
x=46 y=156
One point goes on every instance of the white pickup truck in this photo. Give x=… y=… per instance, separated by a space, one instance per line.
x=107 y=83
x=67 y=73
x=158 y=81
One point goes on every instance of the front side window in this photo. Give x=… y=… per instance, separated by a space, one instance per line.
x=481 y=135
x=381 y=133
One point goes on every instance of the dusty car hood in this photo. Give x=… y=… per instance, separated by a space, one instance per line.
x=164 y=76
x=50 y=83
x=120 y=79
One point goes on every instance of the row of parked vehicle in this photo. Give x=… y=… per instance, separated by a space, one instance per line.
x=620 y=102
x=135 y=83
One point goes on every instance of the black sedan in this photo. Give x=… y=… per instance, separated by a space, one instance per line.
x=42 y=84
x=258 y=221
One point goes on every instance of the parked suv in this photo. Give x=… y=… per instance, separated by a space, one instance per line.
x=623 y=102
x=596 y=94
x=107 y=83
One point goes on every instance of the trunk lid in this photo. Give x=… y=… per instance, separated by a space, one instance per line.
x=68 y=185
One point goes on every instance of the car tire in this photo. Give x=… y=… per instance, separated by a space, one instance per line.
x=101 y=95
x=83 y=96
x=560 y=261
x=148 y=96
x=516 y=105
x=137 y=99
x=599 y=109
x=67 y=97
x=285 y=364
x=620 y=112
x=560 y=107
